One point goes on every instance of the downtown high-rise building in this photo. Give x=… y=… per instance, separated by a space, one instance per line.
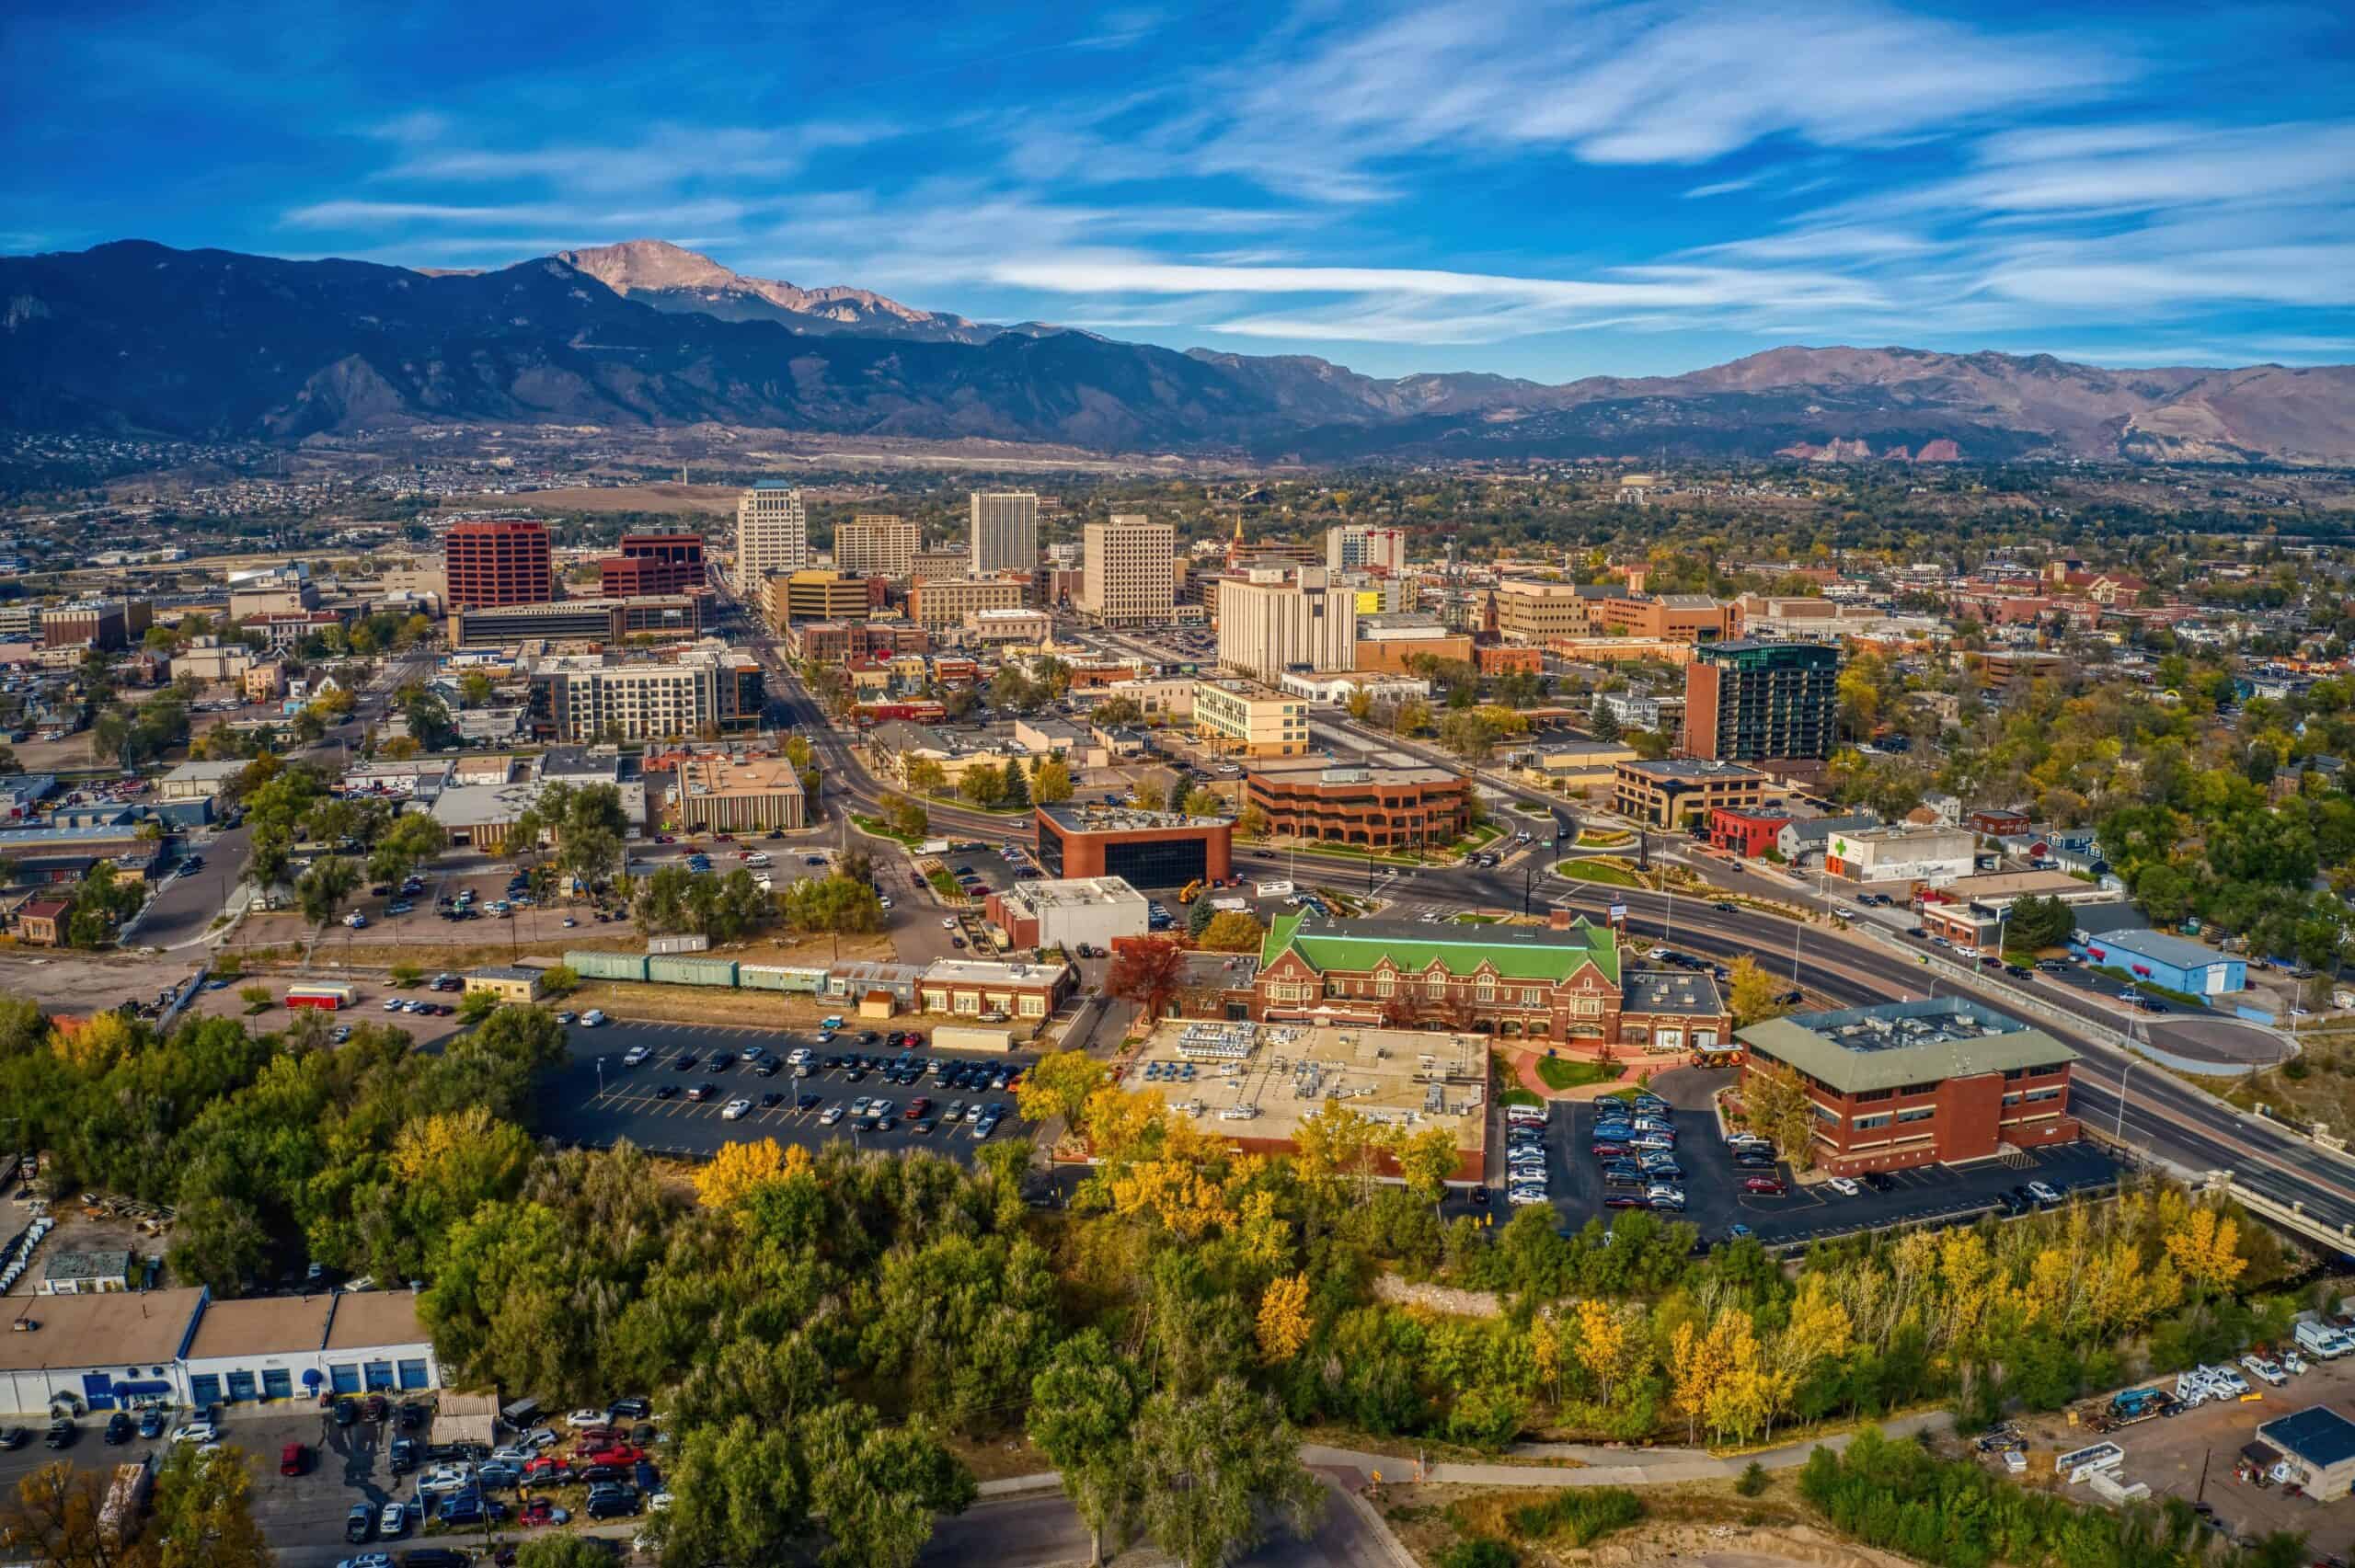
x=1128 y=570
x=1353 y=544
x=1005 y=531
x=1272 y=620
x=1762 y=703
x=873 y=544
x=772 y=534
x=491 y=562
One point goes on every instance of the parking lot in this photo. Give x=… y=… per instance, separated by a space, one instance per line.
x=594 y=1099
x=1715 y=1200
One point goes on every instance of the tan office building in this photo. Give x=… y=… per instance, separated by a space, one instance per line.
x=1245 y=720
x=772 y=534
x=1004 y=533
x=1531 y=611
x=1128 y=573
x=730 y=796
x=939 y=603
x=873 y=544
x=1277 y=619
x=788 y=597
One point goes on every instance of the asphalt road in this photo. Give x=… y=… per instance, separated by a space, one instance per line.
x=183 y=910
x=1040 y=1530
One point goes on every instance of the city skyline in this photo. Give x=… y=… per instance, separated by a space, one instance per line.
x=1540 y=191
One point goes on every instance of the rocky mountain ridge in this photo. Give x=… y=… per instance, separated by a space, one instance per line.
x=134 y=337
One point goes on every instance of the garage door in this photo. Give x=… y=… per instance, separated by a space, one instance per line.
x=242 y=1388
x=380 y=1375
x=97 y=1390
x=277 y=1383
x=204 y=1389
x=413 y=1376
x=344 y=1379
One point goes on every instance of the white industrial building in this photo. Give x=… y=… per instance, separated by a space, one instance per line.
x=1935 y=856
x=79 y=1354
x=1066 y=912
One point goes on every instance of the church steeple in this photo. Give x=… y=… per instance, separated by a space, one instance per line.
x=1235 y=546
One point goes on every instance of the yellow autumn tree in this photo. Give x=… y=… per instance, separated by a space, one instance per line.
x=1818 y=1329
x=1339 y=1143
x=1427 y=1159
x=1697 y=1359
x=1602 y=1343
x=1545 y=1354
x=1264 y=1236
x=738 y=1168
x=1177 y=1195
x=1746 y=1395
x=94 y=1044
x=1120 y=1123
x=1060 y=1083
x=2206 y=1249
x=1284 y=1324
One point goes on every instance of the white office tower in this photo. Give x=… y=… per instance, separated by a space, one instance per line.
x=1353 y=544
x=1005 y=531
x=1287 y=618
x=772 y=534
x=1128 y=571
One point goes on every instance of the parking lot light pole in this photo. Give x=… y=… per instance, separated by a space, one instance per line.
x=2126 y=1066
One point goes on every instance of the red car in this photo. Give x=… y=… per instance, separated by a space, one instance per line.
x=1770 y=1186
x=917 y=1107
x=546 y=1464
x=619 y=1454
x=594 y=1437
x=538 y=1511
x=292 y=1459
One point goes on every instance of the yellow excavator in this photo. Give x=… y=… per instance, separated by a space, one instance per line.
x=1190 y=892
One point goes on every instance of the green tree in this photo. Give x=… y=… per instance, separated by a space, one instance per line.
x=879 y=1487
x=1113 y=713
x=1199 y=916
x=907 y=818
x=1082 y=1407
x=202 y=1512
x=1756 y=995
x=1255 y=824
x=1202 y=802
x=739 y=1494
x=325 y=888
x=1212 y=1467
x=474 y=689
x=2035 y=923
x=925 y=775
x=1017 y=787
x=554 y=1549
x=413 y=840
x=984 y=784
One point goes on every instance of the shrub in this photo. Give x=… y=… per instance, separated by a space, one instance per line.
x=1479 y=1554
x=1579 y=1514
x=1753 y=1479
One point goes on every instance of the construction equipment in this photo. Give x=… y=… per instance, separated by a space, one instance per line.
x=1190 y=892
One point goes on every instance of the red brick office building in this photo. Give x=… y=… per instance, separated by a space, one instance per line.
x=1909 y=1084
x=652 y=563
x=1746 y=833
x=1150 y=849
x=492 y=561
x=1377 y=808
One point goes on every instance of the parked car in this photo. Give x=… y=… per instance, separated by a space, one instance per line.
x=1766 y=1186
x=1843 y=1187
x=359 y=1524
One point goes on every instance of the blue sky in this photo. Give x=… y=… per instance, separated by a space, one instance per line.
x=1547 y=190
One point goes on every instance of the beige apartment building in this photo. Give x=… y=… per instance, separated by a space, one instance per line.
x=939 y=603
x=1128 y=571
x=1005 y=531
x=772 y=534
x=874 y=544
x=580 y=697
x=1275 y=619
x=1529 y=612
x=1242 y=719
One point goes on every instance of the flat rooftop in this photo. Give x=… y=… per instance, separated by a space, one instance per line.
x=367 y=1320
x=724 y=776
x=1076 y=818
x=981 y=972
x=1662 y=991
x=1073 y=893
x=1262 y=1080
x=1887 y=1046
x=262 y=1325
x=1692 y=767
x=117 y=1329
x=1320 y=773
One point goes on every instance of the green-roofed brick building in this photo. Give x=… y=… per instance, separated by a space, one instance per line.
x=1561 y=984
x=1919 y=1082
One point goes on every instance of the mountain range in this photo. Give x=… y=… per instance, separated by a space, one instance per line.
x=137 y=338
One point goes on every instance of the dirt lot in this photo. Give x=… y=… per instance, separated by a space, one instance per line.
x=83 y=1230
x=2170 y=1455
x=1700 y=1522
x=84 y=982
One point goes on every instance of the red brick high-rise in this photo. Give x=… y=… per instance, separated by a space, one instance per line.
x=497 y=561
x=653 y=563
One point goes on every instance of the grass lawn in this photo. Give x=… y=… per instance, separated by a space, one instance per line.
x=1357 y=852
x=1520 y=1096
x=1475 y=920
x=2181 y=997
x=1588 y=838
x=878 y=828
x=1609 y=872
x=1562 y=1073
x=944 y=884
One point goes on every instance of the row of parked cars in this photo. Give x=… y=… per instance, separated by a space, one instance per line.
x=1636 y=1141
x=1525 y=1155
